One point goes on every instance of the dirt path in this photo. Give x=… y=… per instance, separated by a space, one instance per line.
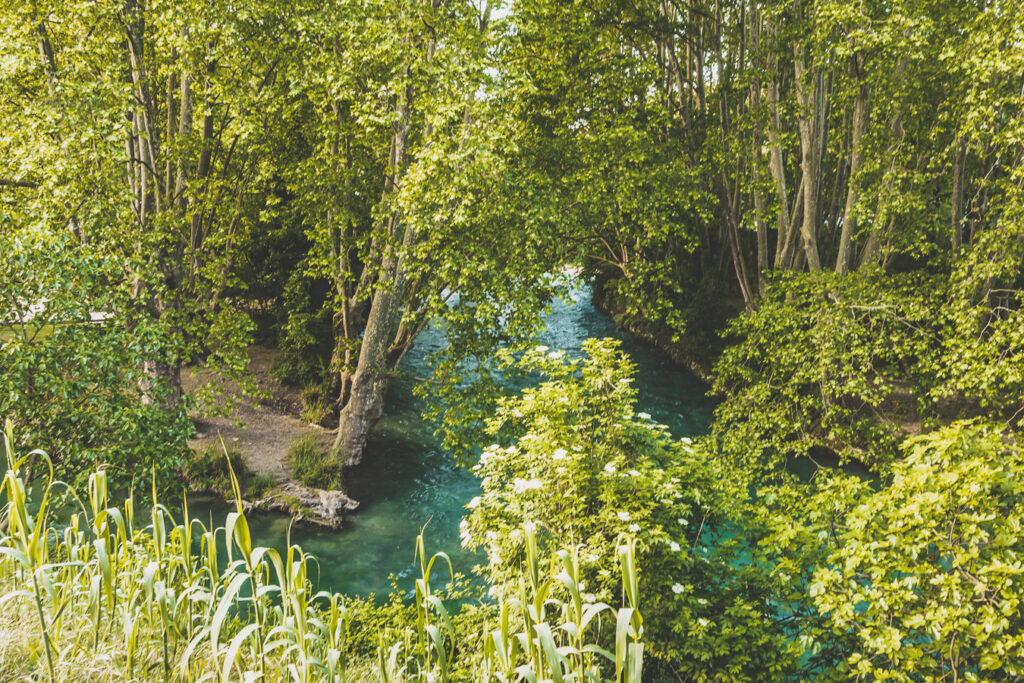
x=268 y=428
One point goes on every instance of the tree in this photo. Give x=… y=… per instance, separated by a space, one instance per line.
x=72 y=345
x=137 y=126
x=407 y=192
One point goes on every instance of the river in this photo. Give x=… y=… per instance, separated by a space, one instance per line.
x=407 y=481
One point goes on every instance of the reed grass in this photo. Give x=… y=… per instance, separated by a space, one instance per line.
x=106 y=594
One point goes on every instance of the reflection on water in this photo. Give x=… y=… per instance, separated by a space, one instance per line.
x=407 y=481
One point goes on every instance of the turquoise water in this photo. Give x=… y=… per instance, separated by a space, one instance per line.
x=407 y=481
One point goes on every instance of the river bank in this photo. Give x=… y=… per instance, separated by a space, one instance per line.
x=407 y=482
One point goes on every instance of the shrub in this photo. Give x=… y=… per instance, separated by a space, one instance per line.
x=261 y=485
x=576 y=458
x=925 y=578
x=315 y=406
x=312 y=465
x=208 y=470
x=830 y=362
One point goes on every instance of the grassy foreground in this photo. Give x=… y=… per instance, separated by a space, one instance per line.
x=111 y=596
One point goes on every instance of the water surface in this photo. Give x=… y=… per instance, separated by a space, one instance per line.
x=407 y=481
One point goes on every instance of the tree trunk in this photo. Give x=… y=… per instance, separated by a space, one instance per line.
x=860 y=123
x=957 y=200
x=778 y=171
x=808 y=118
x=370 y=381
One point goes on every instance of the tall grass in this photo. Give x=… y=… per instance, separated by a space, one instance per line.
x=108 y=595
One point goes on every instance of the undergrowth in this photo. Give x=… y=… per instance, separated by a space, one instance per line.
x=312 y=465
x=108 y=594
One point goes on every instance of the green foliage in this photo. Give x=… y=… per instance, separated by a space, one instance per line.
x=72 y=375
x=260 y=485
x=316 y=408
x=109 y=597
x=926 y=575
x=211 y=470
x=853 y=364
x=313 y=465
x=587 y=469
x=306 y=338
x=916 y=579
x=840 y=363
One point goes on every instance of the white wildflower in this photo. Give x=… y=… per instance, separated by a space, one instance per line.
x=559 y=454
x=644 y=416
x=623 y=515
x=634 y=473
x=634 y=528
x=540 y=349
x=473 y=503
x=674 y=546
x=686 y=439
x=520 y=485
x=678 y=588
x=609 y=468
x=556 y=355
x=703 y=622
x=682 y=522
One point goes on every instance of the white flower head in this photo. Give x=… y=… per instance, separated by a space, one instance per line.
x=609 y=468
x=559 y=454
x=678 y=588
x=634 y=528
x=520 y=485
x=644 y=416
x=634 y=473
x=623 y=515
x=540 y=349
x=556 y=355
x=674 y=546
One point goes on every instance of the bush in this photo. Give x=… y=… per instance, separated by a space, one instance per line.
x=576 y=458
x=836 y=363
x=261 y=485
x=312 y=465
x=315 y=406
x=208 y=470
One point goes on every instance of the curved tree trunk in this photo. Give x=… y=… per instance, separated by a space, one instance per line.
x=372 y=375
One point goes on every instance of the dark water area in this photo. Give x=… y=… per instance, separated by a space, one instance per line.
x=407 y=481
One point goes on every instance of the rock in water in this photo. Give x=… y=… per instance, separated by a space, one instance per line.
x=317 y=506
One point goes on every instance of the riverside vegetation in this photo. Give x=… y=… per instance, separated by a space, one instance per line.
x=818 y=204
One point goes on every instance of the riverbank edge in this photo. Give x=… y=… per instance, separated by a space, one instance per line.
x=649 y=332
